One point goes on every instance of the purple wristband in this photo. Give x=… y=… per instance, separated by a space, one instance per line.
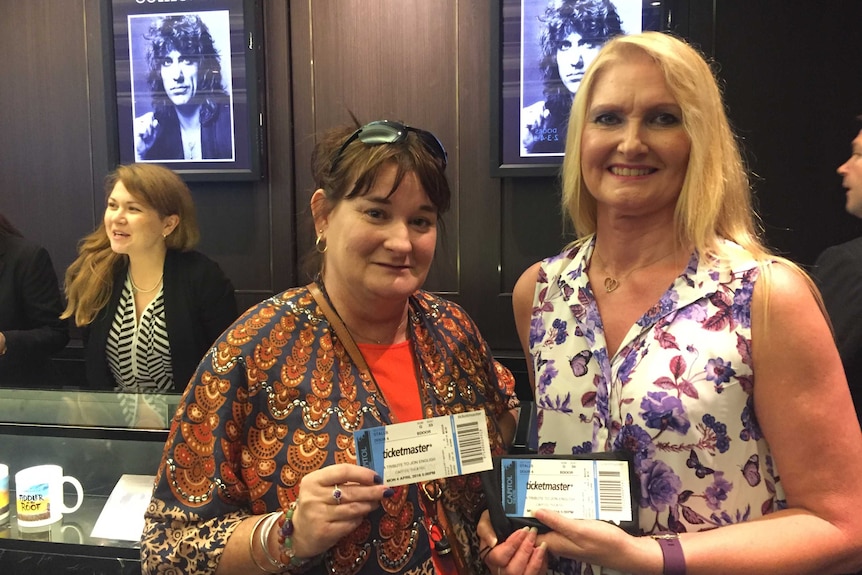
x=671 y=550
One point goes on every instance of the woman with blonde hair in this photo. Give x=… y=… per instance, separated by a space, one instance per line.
x=644 y=337
x=150 y=305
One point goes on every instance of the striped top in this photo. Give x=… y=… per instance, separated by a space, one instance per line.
x=139 y=353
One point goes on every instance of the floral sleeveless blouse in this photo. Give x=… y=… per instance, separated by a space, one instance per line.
x=677 y=395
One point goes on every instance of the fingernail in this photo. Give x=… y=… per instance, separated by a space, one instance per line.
x=378 y=480
x=388 y=493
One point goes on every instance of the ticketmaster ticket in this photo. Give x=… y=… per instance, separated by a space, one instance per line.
x=426 y=449
x=579 y=489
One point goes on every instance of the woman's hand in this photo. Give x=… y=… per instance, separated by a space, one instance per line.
x=333 y=501
x=598 y=543
x=517 y=555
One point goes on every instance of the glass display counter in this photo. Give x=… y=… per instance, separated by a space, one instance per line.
x=97 y=437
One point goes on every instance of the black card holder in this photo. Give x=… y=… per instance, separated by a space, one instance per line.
x=505 y=525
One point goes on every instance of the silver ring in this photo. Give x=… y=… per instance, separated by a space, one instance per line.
x=336 y=494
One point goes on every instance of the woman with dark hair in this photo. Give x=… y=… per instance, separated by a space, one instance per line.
x=30 y=304
x=573 y=31
x=191 y=117
x=150 y=305
x=259 y=474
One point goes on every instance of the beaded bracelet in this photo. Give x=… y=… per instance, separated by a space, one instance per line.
x=264 y=541
x=285 y=538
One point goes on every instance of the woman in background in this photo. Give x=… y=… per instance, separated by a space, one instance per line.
x=31 y=330
x=150 y=305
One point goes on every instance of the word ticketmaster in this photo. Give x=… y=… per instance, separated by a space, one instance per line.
x=426 y=449
x=579 y=489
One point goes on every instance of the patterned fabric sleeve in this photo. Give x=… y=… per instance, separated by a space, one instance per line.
x=200 y=496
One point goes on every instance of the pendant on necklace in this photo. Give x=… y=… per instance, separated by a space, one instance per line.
x=611 y=284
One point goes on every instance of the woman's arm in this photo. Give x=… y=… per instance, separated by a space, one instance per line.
x=804 y=410
x=522 y=306
x=38 y=289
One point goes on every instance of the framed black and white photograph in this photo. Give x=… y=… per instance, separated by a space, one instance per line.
x=540 y=51
x=187 y=86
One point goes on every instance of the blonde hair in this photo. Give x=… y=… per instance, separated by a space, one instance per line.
x=715 y=202
x=89 y=279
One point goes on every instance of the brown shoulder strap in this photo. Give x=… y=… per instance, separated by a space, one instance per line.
x=340 y=330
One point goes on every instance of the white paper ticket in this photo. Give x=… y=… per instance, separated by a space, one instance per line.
x=426 y=449
x=579 y=489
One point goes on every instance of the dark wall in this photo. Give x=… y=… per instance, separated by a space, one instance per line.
x=790 y=78
x=794 y=88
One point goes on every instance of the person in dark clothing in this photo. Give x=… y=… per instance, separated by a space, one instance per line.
x=191 y=118
x=150 y=306
x=838 y=272
x=573 y=31
x=31 y=330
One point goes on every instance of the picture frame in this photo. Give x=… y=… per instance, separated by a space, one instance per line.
x=199 y=112
x=520 y=87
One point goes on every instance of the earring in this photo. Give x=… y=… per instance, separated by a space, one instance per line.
x=319 y=241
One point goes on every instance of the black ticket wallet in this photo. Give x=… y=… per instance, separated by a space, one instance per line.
x=504 y=525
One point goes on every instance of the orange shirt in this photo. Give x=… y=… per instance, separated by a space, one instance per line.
x=394 y=370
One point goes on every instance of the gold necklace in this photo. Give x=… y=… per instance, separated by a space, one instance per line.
x=136 y=289
x=611 y=283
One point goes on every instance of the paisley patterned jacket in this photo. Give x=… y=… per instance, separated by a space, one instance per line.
x=277 y=397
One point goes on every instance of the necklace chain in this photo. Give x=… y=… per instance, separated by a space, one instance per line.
x=136 y=289
x=611 y=283
x=378 y=341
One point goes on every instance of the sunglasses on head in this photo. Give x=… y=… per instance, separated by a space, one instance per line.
x=389 y=132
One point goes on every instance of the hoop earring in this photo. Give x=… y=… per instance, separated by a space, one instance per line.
x=319 y=241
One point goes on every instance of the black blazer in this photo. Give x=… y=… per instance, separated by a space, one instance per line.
x=838 y=273
x=30 y=308
x=199 y=306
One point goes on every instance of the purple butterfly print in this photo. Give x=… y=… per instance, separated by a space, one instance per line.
x=751 y=470
x=694 y=463
x=580 y=363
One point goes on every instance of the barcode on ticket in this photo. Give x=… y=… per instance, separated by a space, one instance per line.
x=610 y=491
x=579 y=489
x=471 y=448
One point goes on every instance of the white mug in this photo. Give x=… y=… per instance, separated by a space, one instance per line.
x=39 y=495
x=4 y=493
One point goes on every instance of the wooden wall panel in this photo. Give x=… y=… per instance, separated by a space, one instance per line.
x=46 y=179
x=380 y=59
x=427 y=63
